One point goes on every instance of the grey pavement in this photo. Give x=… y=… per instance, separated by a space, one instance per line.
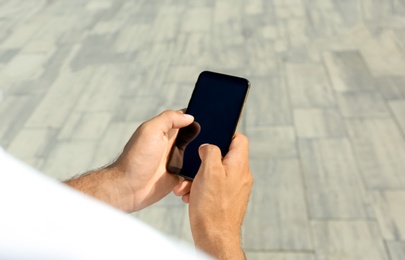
x=325 y=115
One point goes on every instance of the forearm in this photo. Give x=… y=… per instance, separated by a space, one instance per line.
x=107 y=185
x=221 y=246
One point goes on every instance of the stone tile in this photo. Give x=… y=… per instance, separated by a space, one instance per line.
x=25 y=66
x=309 y=86
x=14 y=112
x=101 y=93
x=350 y=12
x=106 y=27
x=270 y=32
x=348 y=71
x=98 y=5
x=182 y=74
x=36 y=163
x=362 y=104
x=128 y=38
x=91 y=126
x=31 y=143
x=314 y=123
x=271 y=142
x=398 y=108
x=135 y=109
x=251 y=255
x=274 y=110
x=94 y=50
x=355 y=240
x=271 y=221
x=45 y=47
x=167 y=219
x=333 y=185
x=7 y=55
x=389 y=208
x=69 y=126
x=224 y=12
x=254 y=7
x=112 y=142
x=396 y=249
x=297 y=29
x=381 y=52
x=59 y=101
x=197 y=19
x=379 y=148
x=391 y=88
x=186 y=234
x=19 y=36
x=176 y=96
x=68 y=159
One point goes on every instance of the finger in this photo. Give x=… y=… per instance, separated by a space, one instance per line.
x=210 y=154
x=170 y=119
x=211 y=161
x=239 y=149
x=186 y=198
x=182 y=188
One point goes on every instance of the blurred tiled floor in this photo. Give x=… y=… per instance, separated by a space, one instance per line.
x=325 y=116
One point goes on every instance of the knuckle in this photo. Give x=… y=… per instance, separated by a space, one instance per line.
x=243 y=139
x=143 y=126
x=210 y=149
x=147 y=126
x=168 y=113
x=213 y=149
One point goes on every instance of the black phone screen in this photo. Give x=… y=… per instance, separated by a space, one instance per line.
x=216 y=104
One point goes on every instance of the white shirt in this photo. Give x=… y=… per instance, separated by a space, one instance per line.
x=43 y=219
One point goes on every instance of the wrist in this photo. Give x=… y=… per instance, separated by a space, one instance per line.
x=121 y=195
x=108 y=184
x=220 y=244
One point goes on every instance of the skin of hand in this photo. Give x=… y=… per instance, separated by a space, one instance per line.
x=138 y=178
x=218 y=199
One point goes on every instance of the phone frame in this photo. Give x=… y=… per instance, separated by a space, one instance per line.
x=236 y=125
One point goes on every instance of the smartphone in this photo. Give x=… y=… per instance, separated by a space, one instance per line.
x=217 y=103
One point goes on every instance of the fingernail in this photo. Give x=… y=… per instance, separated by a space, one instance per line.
x=203 y=145
x=188 y=116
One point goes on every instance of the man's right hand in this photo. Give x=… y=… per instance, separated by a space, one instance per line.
x=218 y=199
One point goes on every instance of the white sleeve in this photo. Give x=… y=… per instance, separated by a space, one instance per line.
x=43 y=219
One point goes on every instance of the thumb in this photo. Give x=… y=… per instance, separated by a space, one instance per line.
x=210 y=155
x=170 y=119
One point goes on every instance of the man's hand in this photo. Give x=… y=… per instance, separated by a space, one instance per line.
x=218 y=199
x=138 y=178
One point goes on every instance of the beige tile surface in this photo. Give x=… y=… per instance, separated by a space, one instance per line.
x=398 y=108
x=380 y=150
x=389 y=209
x=396 y=249
x=310 y=87
x=313 y=123
x=348 y=240
x=333 y=184
x=272 y=142
x=279 y=256
x=272 y=222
